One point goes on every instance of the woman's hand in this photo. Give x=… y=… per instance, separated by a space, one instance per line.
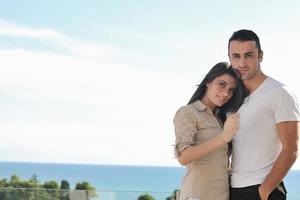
x=231 y=126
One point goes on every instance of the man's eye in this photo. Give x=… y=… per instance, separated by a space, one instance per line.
x=234 y=56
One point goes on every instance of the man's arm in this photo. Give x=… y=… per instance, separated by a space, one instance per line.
x=288 y=133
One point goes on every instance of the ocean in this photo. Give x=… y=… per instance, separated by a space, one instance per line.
x=126 y=182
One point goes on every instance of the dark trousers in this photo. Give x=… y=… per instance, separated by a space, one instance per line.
x=251 y=193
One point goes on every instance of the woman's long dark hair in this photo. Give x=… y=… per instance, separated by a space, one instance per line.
x=237 y=98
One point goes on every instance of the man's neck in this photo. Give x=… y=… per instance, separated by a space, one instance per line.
x=253 y=83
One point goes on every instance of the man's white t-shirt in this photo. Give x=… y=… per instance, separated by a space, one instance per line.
x=256 y=145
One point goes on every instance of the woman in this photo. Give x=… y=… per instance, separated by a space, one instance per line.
x=201 y=144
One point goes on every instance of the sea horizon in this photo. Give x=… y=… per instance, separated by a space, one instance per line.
x=101 y=164
x=99 y=175
x=125 y=181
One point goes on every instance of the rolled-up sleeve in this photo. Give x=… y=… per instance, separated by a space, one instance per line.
x=185 y=130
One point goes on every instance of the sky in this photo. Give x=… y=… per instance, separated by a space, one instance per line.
x=99 y=82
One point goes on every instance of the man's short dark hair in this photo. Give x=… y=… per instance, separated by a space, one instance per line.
x=245 y=35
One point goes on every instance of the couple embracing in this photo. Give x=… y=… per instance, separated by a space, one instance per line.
x=240 y=114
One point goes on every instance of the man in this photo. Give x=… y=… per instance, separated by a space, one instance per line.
x=265 y=146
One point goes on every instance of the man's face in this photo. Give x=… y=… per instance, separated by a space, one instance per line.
x=245 y=58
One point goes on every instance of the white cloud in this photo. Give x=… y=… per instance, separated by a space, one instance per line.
x=69 y=109
x=8 y=28
x=87 y=109
x=72 y=45
x=184 y=52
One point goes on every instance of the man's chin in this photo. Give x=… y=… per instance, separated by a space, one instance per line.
x=244 y=77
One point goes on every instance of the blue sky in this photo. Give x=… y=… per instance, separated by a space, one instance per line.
x=100 y=81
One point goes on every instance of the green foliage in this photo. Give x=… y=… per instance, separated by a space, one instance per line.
x=4 y=183
x=51 y=185
x=17 y=189
x=34 y=180
x=91 y=191
x=83 y=186
x=145 y=197
x=64 y=190
x=64 y=185
x=173 y=195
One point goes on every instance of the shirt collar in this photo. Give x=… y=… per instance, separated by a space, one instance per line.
x=199 y=105
x=202 y=107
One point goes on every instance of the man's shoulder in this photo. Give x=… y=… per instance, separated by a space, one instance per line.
x=280 y=92
x=271 y=82
x=276 y=87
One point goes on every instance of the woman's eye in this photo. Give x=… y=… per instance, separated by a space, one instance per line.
x=222 y=84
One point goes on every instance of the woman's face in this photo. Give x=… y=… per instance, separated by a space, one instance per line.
x=219 y=91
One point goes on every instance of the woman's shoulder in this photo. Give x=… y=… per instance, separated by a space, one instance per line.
x=183 y=110
x=193 y=110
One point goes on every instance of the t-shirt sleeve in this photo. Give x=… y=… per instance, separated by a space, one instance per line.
x=285 y=106
x=185 y=130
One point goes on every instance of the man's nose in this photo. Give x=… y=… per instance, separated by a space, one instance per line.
x=242 y=62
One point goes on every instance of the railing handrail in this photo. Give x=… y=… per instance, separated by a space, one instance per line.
x=102 y=190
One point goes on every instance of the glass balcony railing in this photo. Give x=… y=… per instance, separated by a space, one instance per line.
x=50 y=194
